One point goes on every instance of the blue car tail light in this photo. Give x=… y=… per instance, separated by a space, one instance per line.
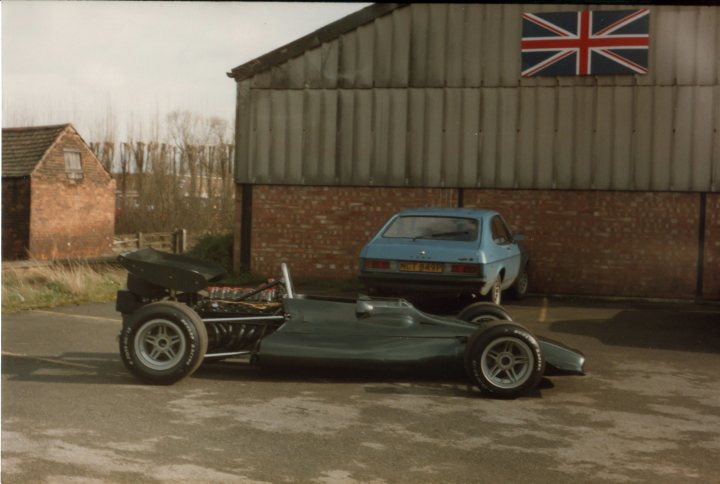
x=464 y=268
x=377 y=264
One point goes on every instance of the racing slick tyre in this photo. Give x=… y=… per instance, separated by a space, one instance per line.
x=504 y=359
x=484 y=312
x=520 y=288
x=494 y=295
x=163 y=342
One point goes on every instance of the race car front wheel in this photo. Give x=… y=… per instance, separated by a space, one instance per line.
x=504 y=359
x=163 y=342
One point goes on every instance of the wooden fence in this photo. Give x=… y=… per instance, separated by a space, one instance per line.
x=176 y=242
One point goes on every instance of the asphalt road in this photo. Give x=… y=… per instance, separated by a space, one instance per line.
x=647 y=411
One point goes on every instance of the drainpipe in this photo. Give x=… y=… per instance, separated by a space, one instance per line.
x=246 y=227
x=701 y=249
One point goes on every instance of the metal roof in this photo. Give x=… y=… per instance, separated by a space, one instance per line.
x=325 y=34
x=23 y=148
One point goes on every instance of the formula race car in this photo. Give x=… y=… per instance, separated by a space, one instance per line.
x=174 y=318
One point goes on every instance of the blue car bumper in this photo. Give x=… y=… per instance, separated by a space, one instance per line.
x=401 y=283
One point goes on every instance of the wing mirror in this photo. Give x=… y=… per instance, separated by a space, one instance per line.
x=518 y=238
x=363 y=308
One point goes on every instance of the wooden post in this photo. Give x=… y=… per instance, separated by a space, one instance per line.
x=139 y=240
x=179 y=241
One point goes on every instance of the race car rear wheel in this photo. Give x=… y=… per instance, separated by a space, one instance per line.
x=163 y=342
x=484 y=312
x=504 y=359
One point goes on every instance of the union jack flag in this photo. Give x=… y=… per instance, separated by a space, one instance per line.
x=585 y=43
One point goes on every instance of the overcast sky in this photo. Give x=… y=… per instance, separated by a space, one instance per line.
x=77 y=61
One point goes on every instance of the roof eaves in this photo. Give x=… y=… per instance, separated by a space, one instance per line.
x=325 y=34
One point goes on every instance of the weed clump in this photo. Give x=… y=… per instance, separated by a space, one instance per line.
x=59 y=284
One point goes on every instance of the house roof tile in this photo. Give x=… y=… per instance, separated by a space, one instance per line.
x=23 y=148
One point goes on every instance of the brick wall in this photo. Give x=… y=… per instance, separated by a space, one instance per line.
x=15 y=217
x=711 y=282
x=591 y=242
x=71 y=218
x=604 y=243
x=320 y=230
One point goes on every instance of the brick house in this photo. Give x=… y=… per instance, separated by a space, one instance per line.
x=57 y=199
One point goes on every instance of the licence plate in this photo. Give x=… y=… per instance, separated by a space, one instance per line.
x=420 y=267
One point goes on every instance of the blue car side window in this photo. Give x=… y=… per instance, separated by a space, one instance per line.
x=500 y=233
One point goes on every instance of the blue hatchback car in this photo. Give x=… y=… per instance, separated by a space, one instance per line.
x=448 y=251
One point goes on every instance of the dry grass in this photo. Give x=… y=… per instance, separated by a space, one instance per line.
x=57 y=285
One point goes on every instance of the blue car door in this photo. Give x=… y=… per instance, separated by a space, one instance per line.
x=505 y=249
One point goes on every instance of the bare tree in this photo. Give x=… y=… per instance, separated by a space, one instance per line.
x=181 y=181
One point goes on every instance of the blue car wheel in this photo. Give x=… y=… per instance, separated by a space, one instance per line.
x=494 y=295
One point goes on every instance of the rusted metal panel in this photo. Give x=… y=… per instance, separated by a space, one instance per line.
x=489 y=129
x=417 y=152
x=363 y=142
x=401 y=31
x=452 y=138
x=682 y=151
x=472 y=45
x=643 y=134
x=330 y=56
x=348 y=60
x=454 y=48
x=492 y=39
x=312 y=131
x=525 y=152
x=383 y=56
x=602 y=139
x=470 y=135
x=296 y=128
x=661 y=116
x=279 y=134
x=346 y=137
x=365 y=56
x=434 y=122
x=419 y=43
x=622 y=139
x=510 y=46
x=702 y=138
x=437 y=49
x=328 y=139
x=544 y=137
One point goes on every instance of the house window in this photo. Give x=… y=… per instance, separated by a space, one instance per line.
x=73 y=165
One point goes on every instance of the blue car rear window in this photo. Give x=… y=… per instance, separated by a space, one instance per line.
x=437 y=228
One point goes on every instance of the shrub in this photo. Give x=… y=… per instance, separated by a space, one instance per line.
x=217 y=248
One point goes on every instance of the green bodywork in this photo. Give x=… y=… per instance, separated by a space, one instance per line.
x=373 y=332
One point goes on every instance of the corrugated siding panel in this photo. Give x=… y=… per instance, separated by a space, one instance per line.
x=430 y=95
x=620 y=138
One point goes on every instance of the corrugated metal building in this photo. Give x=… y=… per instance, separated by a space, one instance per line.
x=429 y=97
